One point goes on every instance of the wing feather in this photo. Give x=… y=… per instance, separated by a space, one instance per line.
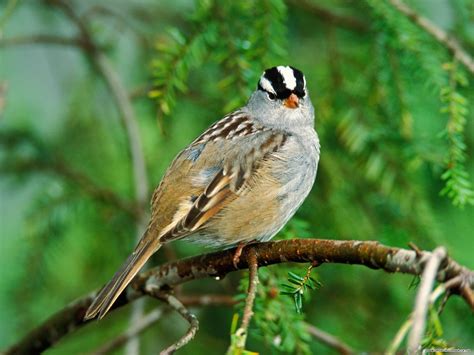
x=227 y=184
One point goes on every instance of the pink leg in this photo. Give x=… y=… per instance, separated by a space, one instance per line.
x=238 y=253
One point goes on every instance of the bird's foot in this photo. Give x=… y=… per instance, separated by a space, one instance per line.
x=238 y=253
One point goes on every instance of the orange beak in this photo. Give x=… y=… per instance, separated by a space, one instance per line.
x=291 y=101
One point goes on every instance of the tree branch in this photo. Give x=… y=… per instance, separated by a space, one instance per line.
x=366 y=253
x=438 y=33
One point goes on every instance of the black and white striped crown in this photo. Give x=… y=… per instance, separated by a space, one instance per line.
x=282 y=81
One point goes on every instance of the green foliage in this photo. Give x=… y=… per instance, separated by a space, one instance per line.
x=278 y=325
x=458 y=185
x=414 y=283
x=434 y=332
x=430 y=61
x=298 y=285
x=242 y=37
x=236 y=340
x=178 y=55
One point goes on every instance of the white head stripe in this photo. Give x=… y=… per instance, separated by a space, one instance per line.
x=288 y=77
x=267 y=85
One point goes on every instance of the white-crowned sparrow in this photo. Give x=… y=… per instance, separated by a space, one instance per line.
x=238 y=182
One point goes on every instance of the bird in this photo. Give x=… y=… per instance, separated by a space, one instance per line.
x=239 y=182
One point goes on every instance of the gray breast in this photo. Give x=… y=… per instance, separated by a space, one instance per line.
x=297 y=171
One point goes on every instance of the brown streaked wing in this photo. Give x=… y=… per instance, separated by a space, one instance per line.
x=210 y=202
x=176 y=188
x=222 y=190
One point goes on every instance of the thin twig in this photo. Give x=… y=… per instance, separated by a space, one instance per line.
x=415 y=248
x=327 y=15
x=3 y=94
x=239 y=337
x=118 y=14
x=439 y=34
x=130 y=122
x=49 y=160
x=8 y=10
x=154 y=316
x=330 y=340
x=42 y=39
x=141 y=91
x=207 y=300
x=125 y=108
x=58 y=167
x=134 y=330
x=467 y=294
x=253 y=282
x=103 y=10
x=242 y=332
x=423 y=299
x=368 y=253
x=140 y=178
x=397 y=340
x=179 y=307
x=120 y=95
x=443 y=288
x=86 y=42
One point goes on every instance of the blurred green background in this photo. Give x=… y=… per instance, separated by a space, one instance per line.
x=394 y=111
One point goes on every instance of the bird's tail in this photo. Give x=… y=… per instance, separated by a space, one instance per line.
x=110 y=292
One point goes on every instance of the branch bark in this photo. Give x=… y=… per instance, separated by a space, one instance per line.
x=367 y=253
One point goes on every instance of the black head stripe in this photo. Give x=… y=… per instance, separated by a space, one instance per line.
x=275 y=78
x=300 y=83
x=278 y=85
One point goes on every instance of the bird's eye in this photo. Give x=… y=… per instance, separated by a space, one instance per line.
x=271 y=96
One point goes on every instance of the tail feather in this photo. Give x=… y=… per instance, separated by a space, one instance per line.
x=112 y=290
